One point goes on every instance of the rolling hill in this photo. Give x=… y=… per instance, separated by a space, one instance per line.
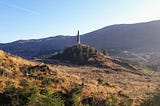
x=141 y=37
x=24 y=82
x=86 y=55
x=144 y=36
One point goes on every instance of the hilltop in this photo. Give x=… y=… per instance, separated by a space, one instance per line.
x=138 y=37
x=86 y=55
x=134 y=43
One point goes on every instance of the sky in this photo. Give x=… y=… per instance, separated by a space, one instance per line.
x=33 y=19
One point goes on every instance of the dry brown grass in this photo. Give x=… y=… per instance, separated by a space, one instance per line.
x=120 y=83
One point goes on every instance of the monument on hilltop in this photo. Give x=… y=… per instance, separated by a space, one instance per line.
x=78 y=38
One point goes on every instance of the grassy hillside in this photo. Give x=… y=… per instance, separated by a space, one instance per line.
x=23 y=82
x=87 y=55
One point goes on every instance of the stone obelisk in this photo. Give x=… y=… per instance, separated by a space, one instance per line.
x=78 y=38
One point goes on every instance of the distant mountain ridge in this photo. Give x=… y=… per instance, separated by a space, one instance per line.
x=139 y=36
x=131 y=36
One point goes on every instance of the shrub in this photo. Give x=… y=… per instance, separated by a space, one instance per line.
x=45 y=99
x=153 y=100
x=24 y=83
x=9 y=83
x=100 y=81
x=11 y=94
x=126 y=102
x=77 y=90
x=112 y=101
x=115 y=101
x=91 y=101
x=48 y=100
x=75 y=96
x=32 y=96
x=47 y=82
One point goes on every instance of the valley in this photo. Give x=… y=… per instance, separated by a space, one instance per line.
x=136 y=43
x=79 y=53
x=67 y=73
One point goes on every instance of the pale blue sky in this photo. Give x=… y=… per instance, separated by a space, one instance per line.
x=26 y=19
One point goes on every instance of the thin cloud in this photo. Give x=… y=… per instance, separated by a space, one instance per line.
x=20 y=8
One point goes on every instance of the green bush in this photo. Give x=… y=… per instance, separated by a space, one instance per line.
x=32 y=96
x=153 y=100
x=46 y=82
x=77 y=90
x=11 y=94
x=91 y=101
x=75 y=100
x=112 y=101
x=126 y=102
x=115 y=101
x=46 y=100
x=24 y=83
x=100 y=81
x=75 y=96
x=9 y=83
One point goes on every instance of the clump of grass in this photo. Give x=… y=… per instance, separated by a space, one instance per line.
x=153 y=100
x=115 y=101
x=100 y=81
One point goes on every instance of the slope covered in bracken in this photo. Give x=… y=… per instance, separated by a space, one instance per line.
x=99 y=81
x=21 y=79
x=104 y=75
